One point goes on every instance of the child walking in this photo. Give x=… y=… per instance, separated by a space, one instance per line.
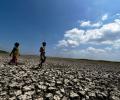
x=42 y=54
x=14 y=54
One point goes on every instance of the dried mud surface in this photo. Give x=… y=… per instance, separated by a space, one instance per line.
x=59 y=79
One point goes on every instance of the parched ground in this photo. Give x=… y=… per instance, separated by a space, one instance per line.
x=59 y=79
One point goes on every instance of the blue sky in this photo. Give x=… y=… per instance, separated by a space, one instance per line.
x=71 y=28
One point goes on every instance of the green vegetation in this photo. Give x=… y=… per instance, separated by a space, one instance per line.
x=3 y=52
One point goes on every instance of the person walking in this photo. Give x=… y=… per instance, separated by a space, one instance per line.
x=42 y=54
x=15 y=54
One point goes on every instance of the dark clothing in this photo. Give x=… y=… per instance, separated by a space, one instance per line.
x=14 y=59
x=42 y=55
x=15 y=54
x=42 y=50
x=42 y=58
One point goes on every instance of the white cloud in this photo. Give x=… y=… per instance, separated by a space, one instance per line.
x=94 y=50
x=117 y=21
x=71 y=38
x=73 y=43
x=108 y=49
x=98 y=24
x=89 y=53
x=106 y=37
x=116 y=44
x=90 y=24
x=85 y=23
x=117 y=14
x=62 y=43
x=74 y=33
x=105 y=17
x=111 y=27
x=107 y=42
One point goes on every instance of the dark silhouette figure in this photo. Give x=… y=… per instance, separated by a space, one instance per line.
x=42 y=54
x=15 y=54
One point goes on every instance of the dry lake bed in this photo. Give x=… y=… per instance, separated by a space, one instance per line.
x=59 y=79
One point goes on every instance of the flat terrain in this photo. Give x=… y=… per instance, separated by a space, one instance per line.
x=59 y=79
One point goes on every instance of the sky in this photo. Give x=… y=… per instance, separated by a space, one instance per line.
x=85 y=29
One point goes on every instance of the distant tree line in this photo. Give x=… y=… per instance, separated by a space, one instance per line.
x=4 y=52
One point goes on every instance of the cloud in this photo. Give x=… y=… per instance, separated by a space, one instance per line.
x=85 y=23
x=103 y=35
x=94 y=50
x=104 y=17
x=117 y=21
x=90 y=24
x=117 y=14
x=62 y=43
x=88 y=53
x=116 y=44
x=97 y=24
x=73 y=43
x=107 y=42
x=104 y=40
